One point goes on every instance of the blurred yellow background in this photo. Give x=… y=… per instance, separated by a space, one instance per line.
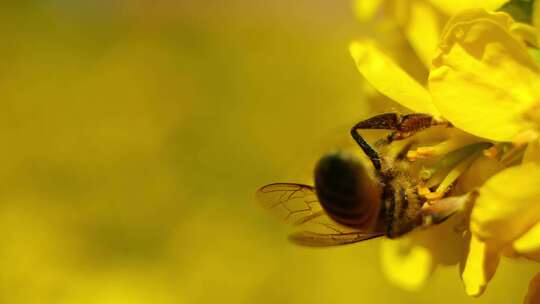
x=136 y=133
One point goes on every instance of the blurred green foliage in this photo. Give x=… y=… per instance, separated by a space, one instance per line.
x=136 y=133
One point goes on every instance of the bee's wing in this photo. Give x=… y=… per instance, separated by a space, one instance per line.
x=297 y=204
x=313 y=239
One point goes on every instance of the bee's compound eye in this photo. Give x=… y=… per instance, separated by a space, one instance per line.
x=346 y=191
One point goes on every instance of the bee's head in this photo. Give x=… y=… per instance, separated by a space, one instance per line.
x=347 y=192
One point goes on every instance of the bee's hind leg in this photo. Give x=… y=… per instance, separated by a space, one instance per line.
x=403 y=126
x=387 y=121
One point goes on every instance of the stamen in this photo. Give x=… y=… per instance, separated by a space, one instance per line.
x=447 y=170
x=442 y=148
x=430 y=151
x=437 y=173
x=456 y=172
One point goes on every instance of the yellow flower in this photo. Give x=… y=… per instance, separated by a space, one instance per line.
x=409 y=261
x=409 y=31
x=486 y=83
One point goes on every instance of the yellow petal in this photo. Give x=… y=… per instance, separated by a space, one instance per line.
x=365 y=10
x=508 y=205
x=528 y=245
x=404 y=264
x=452 y=7
x=480 y=266
x=423 y=31
x=389 y=79
x=483 y=80
x=533 y=295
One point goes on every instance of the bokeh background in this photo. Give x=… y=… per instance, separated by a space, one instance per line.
x=135 y=134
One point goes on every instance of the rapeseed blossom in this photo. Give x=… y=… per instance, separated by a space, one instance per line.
x=484 y=80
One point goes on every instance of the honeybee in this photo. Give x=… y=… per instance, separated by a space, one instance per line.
x=348 y=203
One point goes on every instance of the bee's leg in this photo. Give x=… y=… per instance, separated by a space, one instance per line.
x=403 y=127
x=387 y=121
x=410 y=124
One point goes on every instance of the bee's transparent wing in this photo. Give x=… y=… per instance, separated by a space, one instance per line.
x=297 y=204
x=313 y=239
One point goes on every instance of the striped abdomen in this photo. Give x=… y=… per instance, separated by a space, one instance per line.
x=346 y=192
